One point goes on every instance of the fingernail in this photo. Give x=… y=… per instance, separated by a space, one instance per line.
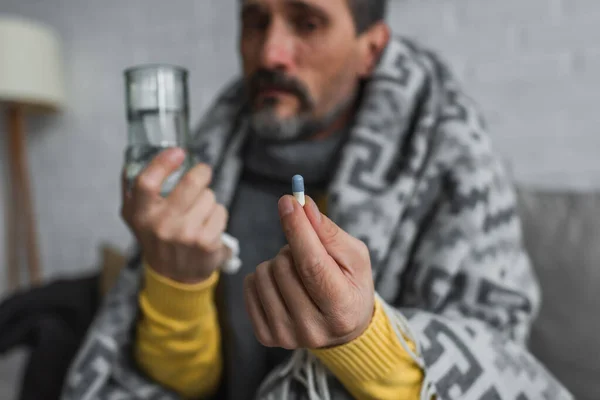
x=285 y=206
x=315 y=209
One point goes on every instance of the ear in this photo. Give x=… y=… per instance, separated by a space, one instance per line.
x=371 y=45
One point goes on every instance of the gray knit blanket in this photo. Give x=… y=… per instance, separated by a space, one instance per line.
x=417 y=182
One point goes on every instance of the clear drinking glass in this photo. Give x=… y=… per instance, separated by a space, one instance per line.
x=157 y=114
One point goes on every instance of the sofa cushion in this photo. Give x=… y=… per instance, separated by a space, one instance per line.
x=562 y=235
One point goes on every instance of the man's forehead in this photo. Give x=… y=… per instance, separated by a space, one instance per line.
x=324 y=5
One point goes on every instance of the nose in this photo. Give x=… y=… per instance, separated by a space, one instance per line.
x=278 y=48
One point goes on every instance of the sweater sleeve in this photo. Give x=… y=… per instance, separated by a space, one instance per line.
x=178 y=339
x=375 y=366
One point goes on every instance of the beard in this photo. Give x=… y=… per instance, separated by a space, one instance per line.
x=265 y=124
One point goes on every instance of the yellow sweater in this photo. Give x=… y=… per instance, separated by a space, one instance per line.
x=178 y=344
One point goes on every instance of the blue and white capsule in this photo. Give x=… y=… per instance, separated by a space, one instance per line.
x=298 y=189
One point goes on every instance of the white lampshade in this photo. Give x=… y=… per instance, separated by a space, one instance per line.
x=31 y=64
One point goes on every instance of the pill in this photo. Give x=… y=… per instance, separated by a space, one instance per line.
x=298 y=188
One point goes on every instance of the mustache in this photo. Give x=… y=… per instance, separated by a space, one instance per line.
x=269 y=79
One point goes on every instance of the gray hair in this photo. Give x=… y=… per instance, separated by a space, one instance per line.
x=366 y=13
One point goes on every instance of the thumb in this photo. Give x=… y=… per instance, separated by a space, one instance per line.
x=340 y=245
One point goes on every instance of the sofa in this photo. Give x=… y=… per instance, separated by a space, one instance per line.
x=562 y=235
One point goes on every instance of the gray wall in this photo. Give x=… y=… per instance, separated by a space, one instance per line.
x=531 y=64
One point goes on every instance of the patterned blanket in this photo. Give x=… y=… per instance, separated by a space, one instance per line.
x=418 y=183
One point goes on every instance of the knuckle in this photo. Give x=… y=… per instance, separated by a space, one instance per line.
x=262 y=272
x=213 y=246
x=309 y=337
x=188 y=236
x=314 y=270
x=285 y=251
x=144 y=183
x=201 y=238
x=288 y=345
x=342 y=325
x=192 y=179
x=206 y=245
x=163 y=231
x=285 y=340
x=265 y=338
x=282 y=268
x=280 y=260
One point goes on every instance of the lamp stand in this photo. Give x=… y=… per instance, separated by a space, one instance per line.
x=19 y=205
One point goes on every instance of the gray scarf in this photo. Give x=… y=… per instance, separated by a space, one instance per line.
x=418 y=183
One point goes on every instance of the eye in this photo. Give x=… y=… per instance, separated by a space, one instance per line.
x=307 y=25
x=255 y=23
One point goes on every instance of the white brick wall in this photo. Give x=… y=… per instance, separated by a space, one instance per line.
x=534 y=65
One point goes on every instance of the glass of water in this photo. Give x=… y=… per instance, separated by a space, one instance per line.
x=157 y=114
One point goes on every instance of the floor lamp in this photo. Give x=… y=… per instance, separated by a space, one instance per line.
x=31 y=81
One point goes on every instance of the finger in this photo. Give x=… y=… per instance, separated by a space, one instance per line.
x=198 y=215
x=304 y=313
x=213 y=228
x=316 y=268
x=148 y=183
x=256 y=312
x=278 y=317
x=190 y=186
x=292 y=290
x=341 y=246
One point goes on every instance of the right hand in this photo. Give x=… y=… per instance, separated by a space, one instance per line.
x=180 y=235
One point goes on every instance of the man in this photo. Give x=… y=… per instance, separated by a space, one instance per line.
x=408 y=279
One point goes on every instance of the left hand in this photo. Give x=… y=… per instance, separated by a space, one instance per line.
x=318 y=291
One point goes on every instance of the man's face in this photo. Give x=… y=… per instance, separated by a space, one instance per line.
x=302 y=63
